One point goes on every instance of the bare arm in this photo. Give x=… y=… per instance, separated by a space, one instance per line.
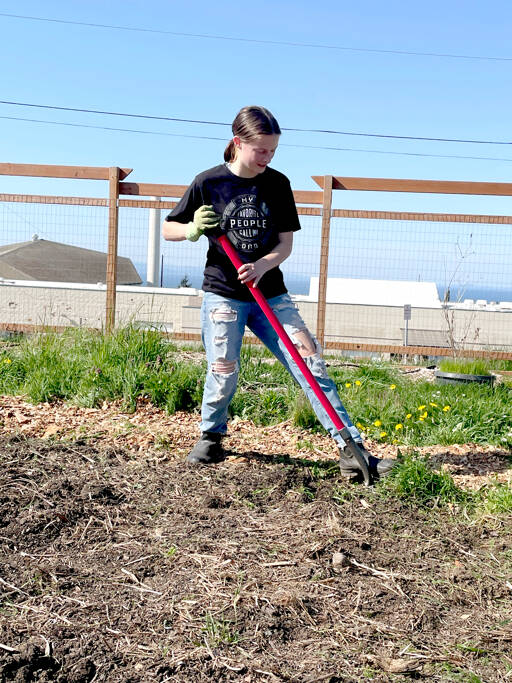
x=173 y=231
x=254 y=271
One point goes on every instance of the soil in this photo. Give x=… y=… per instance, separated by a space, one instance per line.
x=118 y=562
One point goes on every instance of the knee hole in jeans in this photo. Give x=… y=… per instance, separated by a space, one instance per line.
x=225 y=314
x=305 y=343
x=224 y=367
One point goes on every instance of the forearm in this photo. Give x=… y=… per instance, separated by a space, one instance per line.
x=173 y=231
x=279 y=253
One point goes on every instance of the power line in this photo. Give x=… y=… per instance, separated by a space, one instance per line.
x=218 y=123
x=205 y=137
x=261 y=41
x=114 y=113
x=123 y=130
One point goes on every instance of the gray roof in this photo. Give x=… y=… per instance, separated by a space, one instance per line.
x=49 y=261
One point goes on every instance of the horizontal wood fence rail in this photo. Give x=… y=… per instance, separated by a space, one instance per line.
x=418 y=350
x=302 y=210
x=48 y=199
x=158 y=190
x=406 y=185
x=430 y=217
x=95 y=201
x=49 y=171
x=152 y=189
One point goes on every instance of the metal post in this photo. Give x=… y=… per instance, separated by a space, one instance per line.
x=407 y=317
x=153 y=257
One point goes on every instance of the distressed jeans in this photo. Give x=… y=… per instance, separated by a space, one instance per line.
x=223 y=323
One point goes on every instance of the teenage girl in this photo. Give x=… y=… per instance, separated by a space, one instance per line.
x=253 y=205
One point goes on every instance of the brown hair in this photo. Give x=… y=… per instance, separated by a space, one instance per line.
x=249 y=123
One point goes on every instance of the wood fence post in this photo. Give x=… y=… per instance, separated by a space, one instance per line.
x=324 y=258
x=113 y=228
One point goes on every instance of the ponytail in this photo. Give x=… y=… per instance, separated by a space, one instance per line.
x=249 y=123
x=230 y=152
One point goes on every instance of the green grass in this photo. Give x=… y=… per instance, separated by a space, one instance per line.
x=415 y=481
x=465 y=366
x=390 y=408
x=494 y=499
x=87 y=368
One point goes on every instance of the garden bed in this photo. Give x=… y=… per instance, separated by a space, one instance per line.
x=120 y=563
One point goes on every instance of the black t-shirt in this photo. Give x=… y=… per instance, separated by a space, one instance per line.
x=253 y=212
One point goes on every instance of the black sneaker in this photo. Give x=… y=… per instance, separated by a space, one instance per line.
x=206 y=450
x=378 y=467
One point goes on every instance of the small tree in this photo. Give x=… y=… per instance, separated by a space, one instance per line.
x=185 y=282
x=449 y=312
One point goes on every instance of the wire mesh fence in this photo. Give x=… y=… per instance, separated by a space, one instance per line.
x=394 y=283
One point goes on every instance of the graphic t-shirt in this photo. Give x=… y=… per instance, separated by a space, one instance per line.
x=253 y=212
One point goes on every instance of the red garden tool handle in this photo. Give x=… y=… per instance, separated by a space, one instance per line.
x=310 y=378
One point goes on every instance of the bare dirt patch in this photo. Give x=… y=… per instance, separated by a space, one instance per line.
x=120 y=563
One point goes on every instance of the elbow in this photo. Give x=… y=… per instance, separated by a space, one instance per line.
x=165 y=230
x=168 y=231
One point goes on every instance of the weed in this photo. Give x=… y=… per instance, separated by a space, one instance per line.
x=218 y=632
x=494 y=499
x=414 y=480
x=449 y=672
x=307 y=493
x=305 y=445
x=302 y=413
x=323 y=470
x=341 y=495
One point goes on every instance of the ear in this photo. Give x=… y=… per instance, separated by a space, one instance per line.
x=237 y=141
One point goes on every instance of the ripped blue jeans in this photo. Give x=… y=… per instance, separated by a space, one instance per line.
x=223 y=323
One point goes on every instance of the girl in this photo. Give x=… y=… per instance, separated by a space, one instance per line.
x=253 y=205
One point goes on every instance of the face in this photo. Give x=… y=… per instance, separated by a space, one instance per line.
x=253 y=156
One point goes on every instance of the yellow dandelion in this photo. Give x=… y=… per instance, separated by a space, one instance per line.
x=408 y=416
x=421 y=419
x=434 y=405
x=383 y=434
x=377 y=423
x=7 y=361
x=399 y=426
x=392 y=386
x=425 y=414
x=359 y=425
x=421 y=407
x=348 y=385
x=446 y=409
x=357 y=383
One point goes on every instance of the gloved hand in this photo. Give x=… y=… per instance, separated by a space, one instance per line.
x=205 y=218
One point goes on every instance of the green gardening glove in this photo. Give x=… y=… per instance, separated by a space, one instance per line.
x=205 y=218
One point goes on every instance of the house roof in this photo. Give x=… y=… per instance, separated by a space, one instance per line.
x=50 y=261
x=378 y=292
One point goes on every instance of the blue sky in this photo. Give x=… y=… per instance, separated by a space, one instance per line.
x=355 y=90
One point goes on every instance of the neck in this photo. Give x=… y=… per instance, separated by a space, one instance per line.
x=238 y=169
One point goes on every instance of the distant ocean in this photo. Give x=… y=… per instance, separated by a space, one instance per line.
x=298 y=284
